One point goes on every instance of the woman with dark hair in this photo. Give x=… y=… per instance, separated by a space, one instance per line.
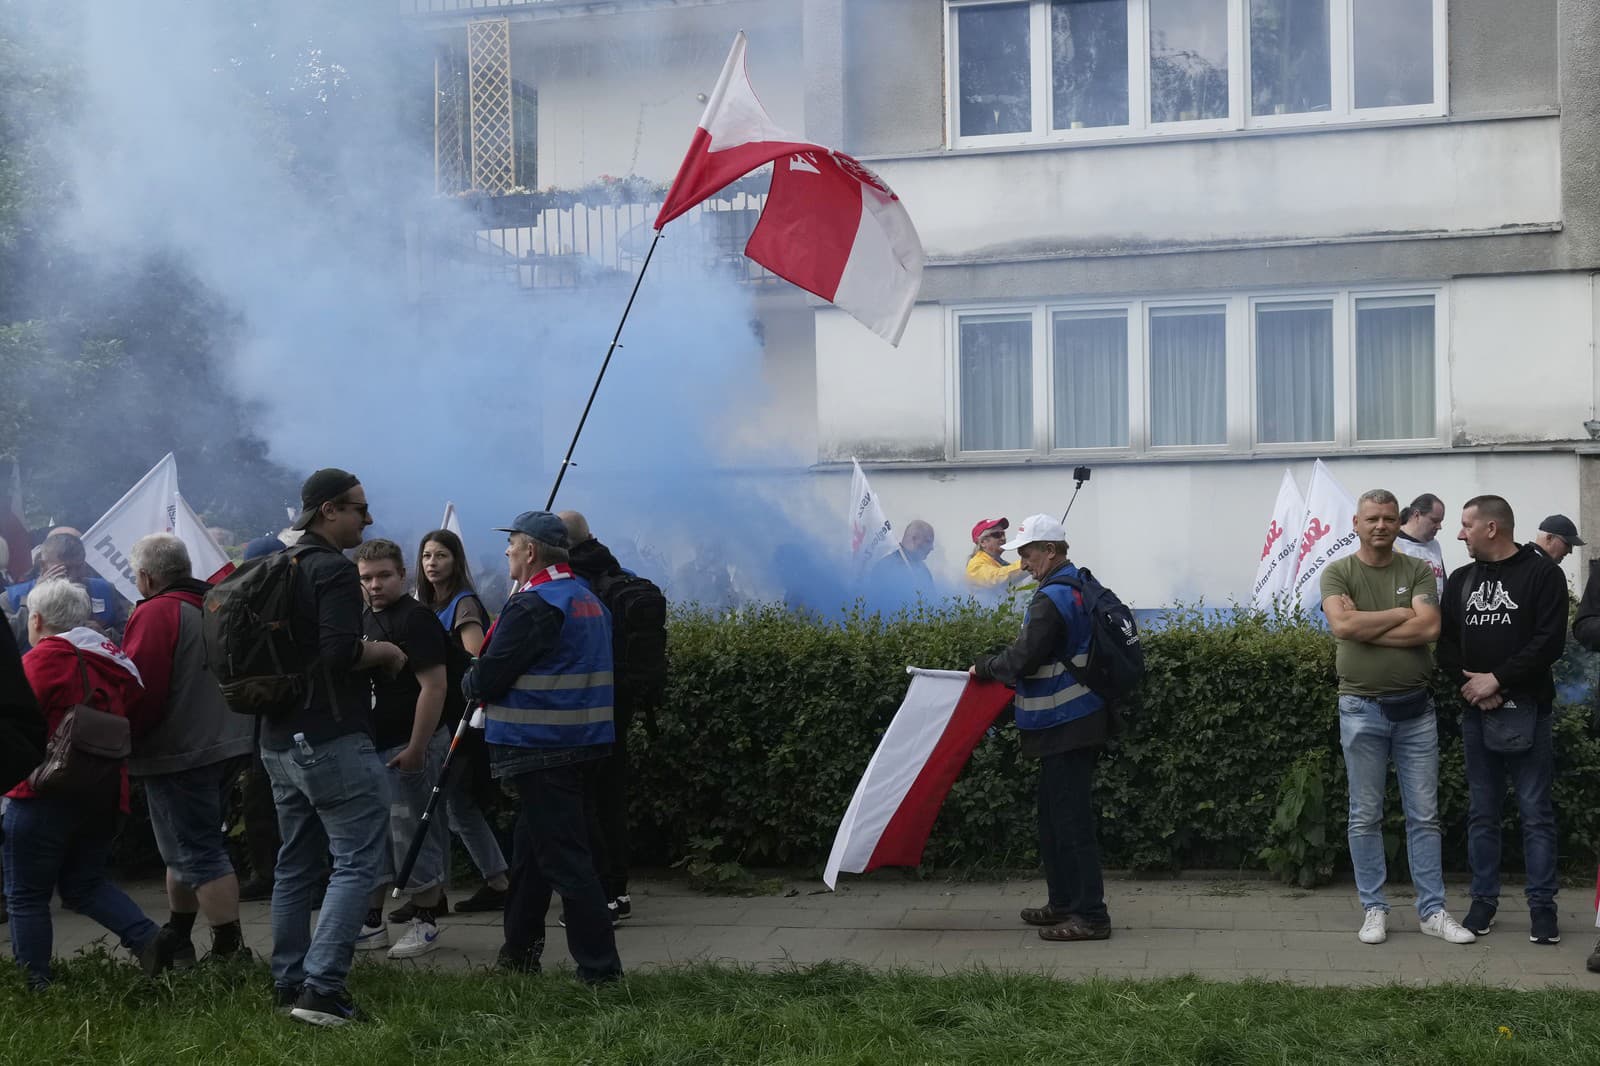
x=444 y=586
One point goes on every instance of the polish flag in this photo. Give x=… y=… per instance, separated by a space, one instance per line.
x=830 y=225
x=932 y=735
x=14 y=525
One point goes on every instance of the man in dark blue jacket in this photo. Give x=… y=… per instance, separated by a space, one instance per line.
x=545 y=679
x=1064 y=725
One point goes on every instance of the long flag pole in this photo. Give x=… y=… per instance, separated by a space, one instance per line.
x=615 y=339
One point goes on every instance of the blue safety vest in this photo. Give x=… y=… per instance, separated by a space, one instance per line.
x=1051 y=694
x=565 y=699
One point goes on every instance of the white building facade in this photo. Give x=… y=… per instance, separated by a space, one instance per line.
x=1185 y=242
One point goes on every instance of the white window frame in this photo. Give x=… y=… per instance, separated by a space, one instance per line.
x=1341 y=15
x=1242 y=436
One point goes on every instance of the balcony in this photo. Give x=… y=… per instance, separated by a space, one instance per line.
x=561 y=240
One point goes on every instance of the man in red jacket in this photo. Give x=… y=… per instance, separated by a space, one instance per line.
x=55 y=844
x=185 y=741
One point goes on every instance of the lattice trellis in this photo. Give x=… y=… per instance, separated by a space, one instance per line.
x=494 y=167
x=451 y=137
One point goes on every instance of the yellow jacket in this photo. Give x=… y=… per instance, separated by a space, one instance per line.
x=985 y=573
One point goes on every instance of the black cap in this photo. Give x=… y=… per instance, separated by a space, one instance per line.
x=1559 y=525
x=542 y=526
x=320 y=488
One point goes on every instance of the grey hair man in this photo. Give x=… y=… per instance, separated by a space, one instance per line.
x=1383 y=609
x=186 y=741
x=1556 y=538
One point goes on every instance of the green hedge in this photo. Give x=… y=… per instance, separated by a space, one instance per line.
x=771 y=717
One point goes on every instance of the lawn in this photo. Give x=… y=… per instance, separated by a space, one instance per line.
x=101 y=1011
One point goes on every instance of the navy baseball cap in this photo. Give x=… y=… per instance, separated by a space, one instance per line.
x=1559 y=525
x=267 y=545
x=542 y=526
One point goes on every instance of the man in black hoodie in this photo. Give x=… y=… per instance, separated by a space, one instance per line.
x=1504 y=627
x=596 y=567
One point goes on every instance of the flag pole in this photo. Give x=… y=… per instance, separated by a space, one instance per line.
x=615 y=339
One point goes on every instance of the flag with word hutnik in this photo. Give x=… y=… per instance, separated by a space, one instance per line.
x=830 y=225
x=942 y=718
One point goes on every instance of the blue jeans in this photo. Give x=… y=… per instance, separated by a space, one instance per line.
x=50 y=845
x=186 y=816
x=1533 y=777
x=1370 y=740
x=332 y=799
x=407 y=798
x=466 y=816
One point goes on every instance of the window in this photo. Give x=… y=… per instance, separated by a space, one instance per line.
x=525 y=124
x=1026 y=71
x=1188 y=376
x=1294 y=372
x=1091 y=379
x=996 y=382
x=1394 y=368
x=1306 y=372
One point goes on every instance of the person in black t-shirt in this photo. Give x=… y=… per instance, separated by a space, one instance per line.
x=407 y=727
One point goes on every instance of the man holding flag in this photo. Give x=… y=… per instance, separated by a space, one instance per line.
x=1064 y=725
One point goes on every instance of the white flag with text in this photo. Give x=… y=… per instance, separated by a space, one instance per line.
x=869 y=530
x=207 y=561
x=1280 y=550
x=1327 y=533
x=151 y=506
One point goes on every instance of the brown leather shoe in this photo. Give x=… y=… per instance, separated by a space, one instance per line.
x=1046 y=915
x=1075 y=929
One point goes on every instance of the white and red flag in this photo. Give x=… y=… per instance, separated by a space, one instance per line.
x=830 y=225
x=1280 y=548
x=151 y=506
x=940 y=721
x=1327 y=532
x=869 y=529
x=14 y=525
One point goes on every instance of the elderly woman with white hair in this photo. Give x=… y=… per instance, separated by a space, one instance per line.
x=57 y=843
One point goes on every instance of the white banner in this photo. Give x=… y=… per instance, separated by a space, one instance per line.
x=207 y=560
x=151 y=506
x=869 y=530
x=1280 y=552
x=451 y=521
x=1328 y=533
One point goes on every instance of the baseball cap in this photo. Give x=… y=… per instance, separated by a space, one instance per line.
x=327 y=484
x=266 y=545
x=1559 y=525
x=542 y=526
x=1036 y=528
x=988 y=524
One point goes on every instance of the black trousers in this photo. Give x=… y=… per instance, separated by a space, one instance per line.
x=1067 y=841
x=260 y=815
x=607 y=781
x=550 y=854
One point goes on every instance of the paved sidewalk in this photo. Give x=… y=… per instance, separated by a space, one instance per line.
x=1226 y=930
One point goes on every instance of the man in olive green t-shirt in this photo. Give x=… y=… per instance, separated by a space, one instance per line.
x=1383 y=609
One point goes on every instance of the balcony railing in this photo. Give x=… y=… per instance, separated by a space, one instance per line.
x=546 y=241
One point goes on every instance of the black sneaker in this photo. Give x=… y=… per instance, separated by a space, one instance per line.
x=167 y=950
x=284 y=997
x=519 y=961
x=317 y=1008
x=255 y=890
x=403 y=915
x=621 y=907
x=1544 y=929
x=485 y=899
x=1480 y=918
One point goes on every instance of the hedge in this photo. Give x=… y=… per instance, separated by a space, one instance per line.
x=771 y=716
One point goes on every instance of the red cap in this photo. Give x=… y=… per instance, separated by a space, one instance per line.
x=988 y=524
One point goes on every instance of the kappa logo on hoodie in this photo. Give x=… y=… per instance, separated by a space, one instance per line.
x=1489 y=605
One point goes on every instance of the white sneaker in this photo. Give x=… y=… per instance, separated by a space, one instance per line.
x=1375 y=928
x=420 y=939
x=1446 y=928
x=372 y=938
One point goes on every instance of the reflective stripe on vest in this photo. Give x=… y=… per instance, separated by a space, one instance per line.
x=1051 y=695
x=564 y=700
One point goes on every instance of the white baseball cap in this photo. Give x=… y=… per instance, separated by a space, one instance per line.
x=1036 y=528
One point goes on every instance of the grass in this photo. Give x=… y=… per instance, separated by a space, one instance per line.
x=101 y=1011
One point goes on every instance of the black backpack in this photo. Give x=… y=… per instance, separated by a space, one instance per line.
x=250 y=648
x=638 y=629
x=1116 y=656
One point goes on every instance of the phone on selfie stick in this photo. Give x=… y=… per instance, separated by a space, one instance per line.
x=1080 y=474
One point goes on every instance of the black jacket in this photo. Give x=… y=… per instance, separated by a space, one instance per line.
x=1507 y=618
x=327 y=627
x=21 y=726
x=1586 y=626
